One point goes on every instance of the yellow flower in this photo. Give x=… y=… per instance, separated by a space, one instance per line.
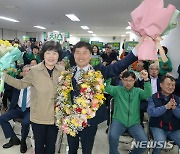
x=67 y=110
x=7 y=43
x=80 y=100
x=73 y=121
x=83 y=111
x=15 y=45
x=67 y=121
x=102 y=86
x=56 y=109
x=76 y=124
x=74 y=106
x=72 y=133
x=89 y=117
x=100 y=96
x=90 y=73
x=84 y=104
x=84 y=85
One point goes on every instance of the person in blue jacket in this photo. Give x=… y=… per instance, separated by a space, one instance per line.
x=164 y=112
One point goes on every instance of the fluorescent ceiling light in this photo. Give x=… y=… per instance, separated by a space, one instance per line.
x=40 y=27
x=123 y=35
x=55 y=31
x=128 y=27
x=8 y=19
x=84 y=27
x=90 y=32
x=128 y=32
x=72 y=17
x=93 y=34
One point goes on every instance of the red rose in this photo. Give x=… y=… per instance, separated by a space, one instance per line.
x=78 y=110
x=83 y=90
x=84 y=124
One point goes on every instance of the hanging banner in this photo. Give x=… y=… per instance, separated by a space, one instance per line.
x=97 y=43
x=25 y=38
x=55 y=36
x=115 y=45
x=85 y=39
x=44 y=35
x=129 y=45
x=67 y=35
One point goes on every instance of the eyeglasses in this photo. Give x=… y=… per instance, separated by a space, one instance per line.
x=154 y=69
x=130 y=81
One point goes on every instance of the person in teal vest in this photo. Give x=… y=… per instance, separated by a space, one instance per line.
x=126 y=114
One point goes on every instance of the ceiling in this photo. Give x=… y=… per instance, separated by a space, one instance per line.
x=103 y=17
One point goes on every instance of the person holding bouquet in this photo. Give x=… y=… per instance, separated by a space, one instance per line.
x=88 y=128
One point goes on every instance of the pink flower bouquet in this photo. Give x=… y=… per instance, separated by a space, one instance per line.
x=151 y=19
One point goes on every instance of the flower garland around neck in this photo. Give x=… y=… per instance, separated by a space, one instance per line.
x=73 y=117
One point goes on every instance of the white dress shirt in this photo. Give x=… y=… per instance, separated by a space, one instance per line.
x=78 y=71
x=154 y=84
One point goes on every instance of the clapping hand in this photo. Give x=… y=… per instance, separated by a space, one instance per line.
x=171 y=104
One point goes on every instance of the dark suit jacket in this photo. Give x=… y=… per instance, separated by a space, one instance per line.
x=140 y=84
x=107 y=72
x=14 y=99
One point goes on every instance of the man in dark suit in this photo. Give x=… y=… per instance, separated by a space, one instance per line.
x=155 y=84
x=19 y=108
x=82 y=55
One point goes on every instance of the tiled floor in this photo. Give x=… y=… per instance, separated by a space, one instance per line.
x=100 y=146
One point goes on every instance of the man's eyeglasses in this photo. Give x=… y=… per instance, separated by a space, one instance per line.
x=154 y=69
x=130 y=81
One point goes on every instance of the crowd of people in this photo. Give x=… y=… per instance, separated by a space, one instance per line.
x=135 y=86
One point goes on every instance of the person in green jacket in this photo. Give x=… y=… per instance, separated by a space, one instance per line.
x=126 y=114
x=165 y=67
x=34 y=55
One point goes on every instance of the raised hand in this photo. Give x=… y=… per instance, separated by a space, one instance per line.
x=144 y=75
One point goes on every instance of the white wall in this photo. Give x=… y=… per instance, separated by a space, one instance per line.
x=9 y=34
x=172 y=42
x=134 y=37
x=31 y=34
x=20 y=35
x=40 y=36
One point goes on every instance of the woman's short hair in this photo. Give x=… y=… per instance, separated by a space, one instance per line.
x=81 y=44
x=51 y=45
